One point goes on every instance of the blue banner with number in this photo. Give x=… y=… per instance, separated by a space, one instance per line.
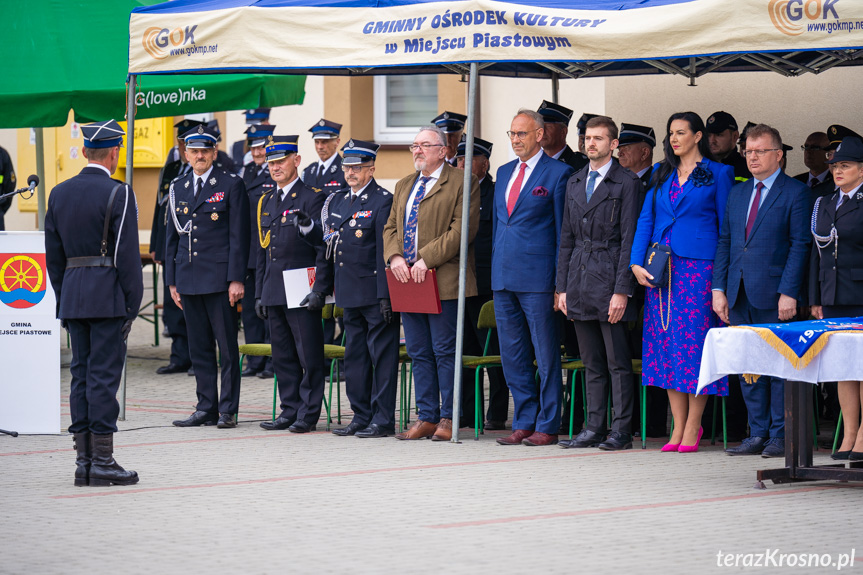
x=801 y=341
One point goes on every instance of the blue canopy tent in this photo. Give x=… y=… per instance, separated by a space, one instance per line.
x=528 y=39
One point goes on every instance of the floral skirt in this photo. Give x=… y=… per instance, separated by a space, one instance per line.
x=671 y=358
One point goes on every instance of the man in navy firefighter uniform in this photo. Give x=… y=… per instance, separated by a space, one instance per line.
x=352 y=226
x=205 y=263
x=91 y=251
x=176 y=166
x=296 y=334
x=256 y=176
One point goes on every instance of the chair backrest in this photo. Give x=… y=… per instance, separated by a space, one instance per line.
x=486 y=316
x=338 y=312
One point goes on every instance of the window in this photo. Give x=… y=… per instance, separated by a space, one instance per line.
x=402 y=105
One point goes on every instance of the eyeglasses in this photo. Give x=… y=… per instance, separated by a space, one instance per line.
x=415 y=147
x=759 y=153
x=806 y=148
x=519 y=135
x=358 y=168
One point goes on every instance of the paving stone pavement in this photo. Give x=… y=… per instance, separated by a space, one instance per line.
x=250 y=501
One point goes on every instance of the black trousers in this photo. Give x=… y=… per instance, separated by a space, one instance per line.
x=371 y=365
x=175 y=321
x=212 y=320
x=298 y=359
x=607 y=358
x=98 y=353
x=256 y=329
x=474 y=343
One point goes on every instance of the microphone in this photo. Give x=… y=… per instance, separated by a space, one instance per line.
x=32 y=182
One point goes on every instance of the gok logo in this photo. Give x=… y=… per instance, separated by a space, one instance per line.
x=788 y=15
x=156 y=40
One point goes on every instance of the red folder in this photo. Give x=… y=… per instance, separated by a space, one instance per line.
x=412 y=297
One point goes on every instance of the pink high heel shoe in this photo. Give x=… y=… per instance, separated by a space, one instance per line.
x=691 y=448
x=670 y=447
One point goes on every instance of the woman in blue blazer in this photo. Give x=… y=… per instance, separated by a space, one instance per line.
x=683 y=209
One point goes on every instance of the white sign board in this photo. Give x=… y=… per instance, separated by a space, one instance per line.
x=298 y=284
x=29 y=337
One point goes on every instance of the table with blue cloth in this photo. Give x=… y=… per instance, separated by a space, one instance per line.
x=803 y=353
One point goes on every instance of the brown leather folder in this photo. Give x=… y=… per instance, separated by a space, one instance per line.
x=412 y=297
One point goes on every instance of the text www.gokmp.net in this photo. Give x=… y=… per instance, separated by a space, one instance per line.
x=774 y=558
x=837 y=26
x=195 y=49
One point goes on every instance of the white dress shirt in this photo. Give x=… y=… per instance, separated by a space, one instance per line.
x=531 y=164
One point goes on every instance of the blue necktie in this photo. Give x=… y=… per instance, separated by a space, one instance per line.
x=410 y=241
x=591 y=182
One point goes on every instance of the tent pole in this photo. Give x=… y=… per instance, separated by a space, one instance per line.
x=462 y=258
x=555 y=88
x=130 y=155
x=40 y=171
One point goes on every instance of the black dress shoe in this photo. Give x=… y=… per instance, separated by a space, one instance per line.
x=586 y=438
x=226 y=421
x=171 y=368
x=266 y=374
x=249 y=372
x=191 y=372
x=749 y=446
x=351 y=429
x=616 y=442
x=279 y=424
x=493 y=425
x=775 y=447
x=198 y=418
x=301 y=426
x=375 y=430
x=841 y=455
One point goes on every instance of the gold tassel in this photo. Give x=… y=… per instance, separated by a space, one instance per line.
x=782 y=348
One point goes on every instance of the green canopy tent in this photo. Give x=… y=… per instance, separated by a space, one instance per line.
x=73 y=54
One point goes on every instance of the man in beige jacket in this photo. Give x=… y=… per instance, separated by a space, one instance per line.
x=423 y=233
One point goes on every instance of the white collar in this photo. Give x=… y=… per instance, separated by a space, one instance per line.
x=101 y=167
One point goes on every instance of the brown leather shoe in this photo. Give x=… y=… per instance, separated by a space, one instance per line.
x=540 y=438
x=443 y=432
x=516 y=438
x=419 y=430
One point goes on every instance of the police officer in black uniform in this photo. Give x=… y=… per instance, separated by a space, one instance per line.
x=7 y=184
x=474 y=338
x=91 y=251
x=297 y=338
x=722 y=133
x=352 y=227
x=176 y=166
x=554 y=136
x=256 y=176
x=206 y=254
x=240 y=149
x=452 y=125
x=325 y=175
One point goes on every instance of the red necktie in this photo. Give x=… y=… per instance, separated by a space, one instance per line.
x=516 y=188
x=753 y=211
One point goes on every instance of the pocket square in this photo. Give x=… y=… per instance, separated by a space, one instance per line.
x=540 y=191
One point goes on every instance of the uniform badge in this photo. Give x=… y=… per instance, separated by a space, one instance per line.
x=294 y=195
x=284 y=219
x=166 y=186
x=358 y=233
x=212 y=181
x=186 y=210
x=333 y=169
x=214 y=216
x=187 y=184
x=859 y=195
x=364 y=197
x=352 y=223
